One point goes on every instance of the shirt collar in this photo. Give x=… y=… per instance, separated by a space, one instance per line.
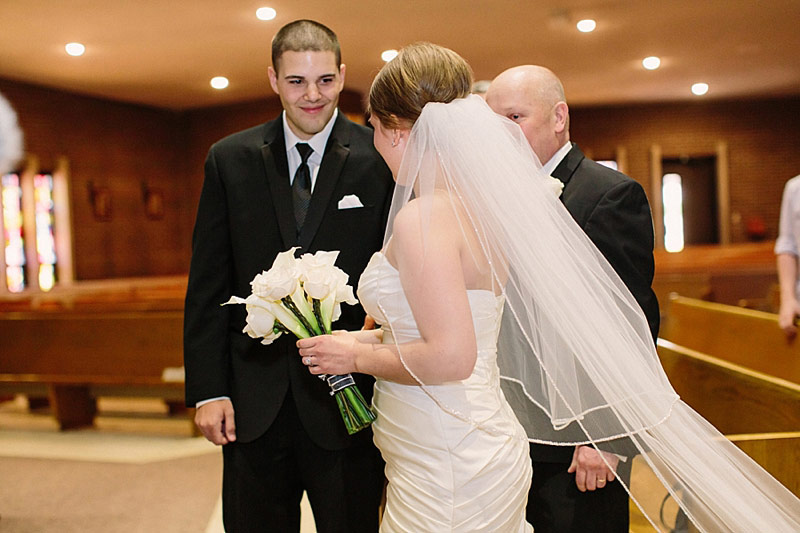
x=317 y=142
x=562 y=152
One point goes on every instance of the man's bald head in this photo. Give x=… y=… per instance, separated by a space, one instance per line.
x=533 y=97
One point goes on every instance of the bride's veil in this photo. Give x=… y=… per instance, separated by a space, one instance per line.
x=577 y=361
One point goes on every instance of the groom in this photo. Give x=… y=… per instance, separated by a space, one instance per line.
x=613 y=211
x=312 y=179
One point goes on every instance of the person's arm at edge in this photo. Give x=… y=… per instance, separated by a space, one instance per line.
x=206 y=322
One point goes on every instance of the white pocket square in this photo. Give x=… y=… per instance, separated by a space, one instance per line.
x=350 y=201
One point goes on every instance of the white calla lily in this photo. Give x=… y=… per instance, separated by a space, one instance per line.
x=289 y=320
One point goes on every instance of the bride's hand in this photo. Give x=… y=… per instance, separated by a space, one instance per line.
x=329 y=354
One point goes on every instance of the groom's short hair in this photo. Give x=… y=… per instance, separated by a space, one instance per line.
x=304 y=35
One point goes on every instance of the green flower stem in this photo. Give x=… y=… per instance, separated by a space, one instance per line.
x=326 y=306
x=280 y=328
x=359 y=405
x=348 y=424
x=300 y=300
x=326 y=329
x=355 y=412
x=290 y=305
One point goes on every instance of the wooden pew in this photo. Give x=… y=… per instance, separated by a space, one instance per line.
x=133 y=294
x=757 y=412
x=75 y=356
x=735 y=399
x=744 y=337
x=734 y=274
x=692 y=285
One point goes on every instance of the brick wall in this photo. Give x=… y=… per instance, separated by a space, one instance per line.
x=121 y=146
x=762 y=136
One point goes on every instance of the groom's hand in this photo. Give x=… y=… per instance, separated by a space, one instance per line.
x=591 y=470
x=215 y=421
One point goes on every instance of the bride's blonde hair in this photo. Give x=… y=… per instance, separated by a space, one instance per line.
x=421 y=73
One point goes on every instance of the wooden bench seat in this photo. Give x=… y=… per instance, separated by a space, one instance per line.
x=744 y=337
x=734 y=398
x=734 y=274
x=131 y=294
x=758 y=412
x=74 y=357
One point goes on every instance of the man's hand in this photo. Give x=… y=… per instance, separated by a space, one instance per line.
x=787 y=317
x=215 y=421
x=591 y=471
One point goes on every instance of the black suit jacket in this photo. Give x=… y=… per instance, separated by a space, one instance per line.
x=612 y=209
x=244 y=219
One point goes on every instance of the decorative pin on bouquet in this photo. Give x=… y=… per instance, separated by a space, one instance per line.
x=303 y=296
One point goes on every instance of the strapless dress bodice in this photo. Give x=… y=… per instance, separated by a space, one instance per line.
x=381 y=294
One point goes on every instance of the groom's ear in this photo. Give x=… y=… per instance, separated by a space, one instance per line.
x=273 y=79
x=561 y=115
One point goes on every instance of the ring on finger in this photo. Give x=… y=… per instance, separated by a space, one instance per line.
x=307 y=361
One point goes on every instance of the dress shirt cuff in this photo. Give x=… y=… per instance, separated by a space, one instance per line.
x=203 y=402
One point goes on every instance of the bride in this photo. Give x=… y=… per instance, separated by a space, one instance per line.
x=477 y=233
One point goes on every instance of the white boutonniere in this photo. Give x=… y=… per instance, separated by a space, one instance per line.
x=555 y=185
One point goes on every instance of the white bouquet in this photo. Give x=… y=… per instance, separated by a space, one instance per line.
x=303 y=296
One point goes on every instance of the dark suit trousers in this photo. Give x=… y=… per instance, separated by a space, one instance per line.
x=263 y=481
x=555 y=505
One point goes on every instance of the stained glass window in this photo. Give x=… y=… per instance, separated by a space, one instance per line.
x=14 y=245
x=45 y=242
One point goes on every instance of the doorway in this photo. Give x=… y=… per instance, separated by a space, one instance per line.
x=699 y=197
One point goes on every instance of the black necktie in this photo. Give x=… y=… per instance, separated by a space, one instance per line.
x=301 y=186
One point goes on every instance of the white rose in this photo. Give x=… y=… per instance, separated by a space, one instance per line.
x=260 y=323
x=319 y=282
x=321 y=259
x=275 y=284
x=318 y=273
x=280 y=280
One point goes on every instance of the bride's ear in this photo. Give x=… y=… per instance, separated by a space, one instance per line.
x=399 y=136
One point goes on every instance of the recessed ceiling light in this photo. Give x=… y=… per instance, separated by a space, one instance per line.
x=266 y=13
x=388 y=55
x=586 y=25
x=75 y=49
x=651 y=63
x=219 y=82
x=700 y=89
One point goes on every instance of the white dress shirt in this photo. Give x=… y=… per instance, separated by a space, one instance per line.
x=788 y=241
x=554 y=161
x=317 y=143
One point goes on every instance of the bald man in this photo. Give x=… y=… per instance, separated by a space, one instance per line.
x=573 y=490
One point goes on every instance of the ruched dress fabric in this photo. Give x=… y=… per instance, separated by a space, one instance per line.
x=458 y=463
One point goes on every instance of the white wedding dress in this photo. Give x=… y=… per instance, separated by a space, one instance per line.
x=466 y=473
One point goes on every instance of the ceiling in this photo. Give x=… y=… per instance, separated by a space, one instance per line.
x=164 y=52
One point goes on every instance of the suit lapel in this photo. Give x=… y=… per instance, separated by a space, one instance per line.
x=277 y=174
x=336 y=153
